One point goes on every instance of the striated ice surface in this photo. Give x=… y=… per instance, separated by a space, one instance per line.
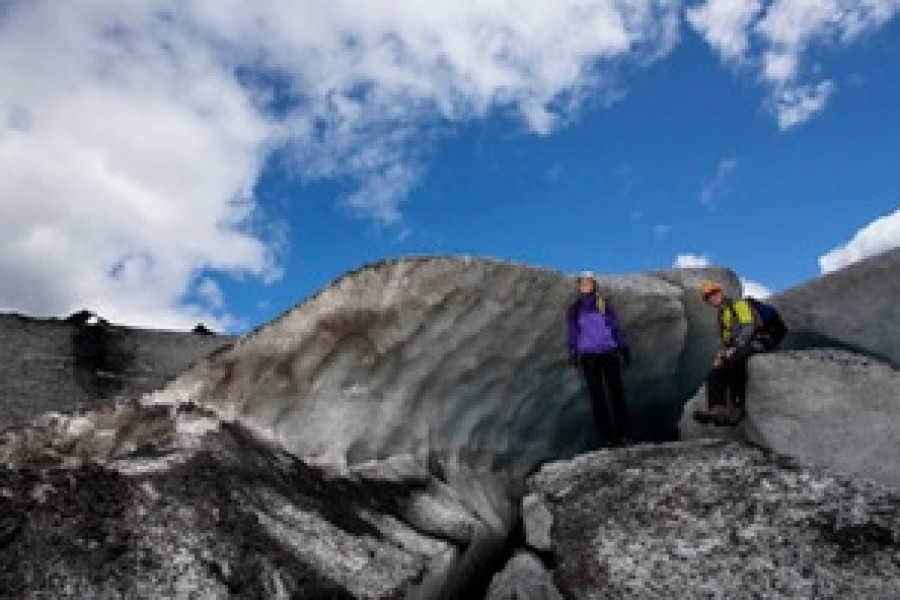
x=457 y=361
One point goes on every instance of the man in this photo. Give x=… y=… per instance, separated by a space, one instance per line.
x=740 y=327
x=597 y=345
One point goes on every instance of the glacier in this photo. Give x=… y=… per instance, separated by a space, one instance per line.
x=459 y=364
x=454 y=360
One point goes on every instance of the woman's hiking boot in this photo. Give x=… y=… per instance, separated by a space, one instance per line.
x=715 y=415
x=734 y=416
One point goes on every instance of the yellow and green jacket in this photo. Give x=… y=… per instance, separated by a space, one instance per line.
x=738 y=322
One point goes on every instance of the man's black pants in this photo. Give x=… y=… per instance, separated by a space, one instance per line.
x=603 y=375
x=729 y=379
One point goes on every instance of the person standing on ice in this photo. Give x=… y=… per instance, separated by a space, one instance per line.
x=597 y=346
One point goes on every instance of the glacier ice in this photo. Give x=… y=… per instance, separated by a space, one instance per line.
x=459 y=362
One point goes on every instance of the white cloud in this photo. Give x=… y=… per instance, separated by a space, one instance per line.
x=127 y=169
x=714 y=187
x=755 y=289
x=797 y=104
x=879 y=236
x=725 y=24
x=210 y=291
x=369 y=80
x=132 y=133
x=691 y=261
x=777 y=36
x=661 y=230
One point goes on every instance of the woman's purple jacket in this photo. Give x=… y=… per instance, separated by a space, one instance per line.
x=591 y=331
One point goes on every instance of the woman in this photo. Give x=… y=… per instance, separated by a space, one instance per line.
x=597 y=345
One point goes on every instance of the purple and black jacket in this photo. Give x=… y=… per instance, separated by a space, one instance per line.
x=591 y=331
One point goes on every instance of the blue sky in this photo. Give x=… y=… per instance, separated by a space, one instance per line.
x=246 y=166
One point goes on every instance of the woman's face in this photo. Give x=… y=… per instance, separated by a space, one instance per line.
x=585 y=285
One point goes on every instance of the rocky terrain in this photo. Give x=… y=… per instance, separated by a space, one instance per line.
x=375 y=441
x=712 y=519
x=168 y=502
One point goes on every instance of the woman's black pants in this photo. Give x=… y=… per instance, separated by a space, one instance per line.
x=603 y=375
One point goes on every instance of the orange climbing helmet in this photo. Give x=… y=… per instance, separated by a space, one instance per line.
x=708 y=288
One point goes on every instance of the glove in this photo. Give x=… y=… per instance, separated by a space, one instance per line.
x=719 y=359
x=625 y=353
x=573 y=359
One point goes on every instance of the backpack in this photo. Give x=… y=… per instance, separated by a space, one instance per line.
x=773 y=326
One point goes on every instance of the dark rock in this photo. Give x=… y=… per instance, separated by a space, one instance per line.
x=201 y=329
x=161 y=502
x=85 y=317
x=717 y=519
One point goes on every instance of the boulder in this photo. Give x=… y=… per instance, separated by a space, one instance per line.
x=523 y=578
x=824 y=407
x=716 y=519
x=538 y=521
x=169 y=502
x=855 y=308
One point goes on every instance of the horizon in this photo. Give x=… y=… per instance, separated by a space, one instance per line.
x=220 y=163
